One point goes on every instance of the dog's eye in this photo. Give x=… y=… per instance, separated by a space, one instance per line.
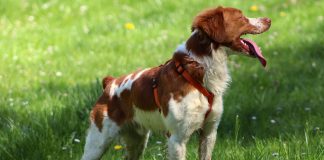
x=241 y=18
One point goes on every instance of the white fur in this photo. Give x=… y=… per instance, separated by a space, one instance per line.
x=257 y=22
x=125 y=85
x=183 y=49
x=180 y=117
x=184 y=117
x=112 y=89
x=97 y=141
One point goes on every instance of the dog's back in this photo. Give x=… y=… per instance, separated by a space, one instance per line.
x=107 y=80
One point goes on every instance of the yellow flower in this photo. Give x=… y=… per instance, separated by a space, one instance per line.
x=118 y=147
x=129 y=26
x=282 y=14
x=254 y=8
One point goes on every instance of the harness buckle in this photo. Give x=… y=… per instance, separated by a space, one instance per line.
x=154 y=85
x=180 y=69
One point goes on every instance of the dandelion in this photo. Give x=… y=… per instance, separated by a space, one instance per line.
x=118 y=147
x=282 y=14
x=83 y=9
x=58 y=74
x=61 y=8
x=293 y=1
x=15 y=58
x=30 y=18
x=129 y=26
x=25 y=103
x=42 y=73
x=275 y=154
x=272 y=121
x=77 y=140
x=50 y=49
x=45 y=6
x=254 y=8
x=86 y=29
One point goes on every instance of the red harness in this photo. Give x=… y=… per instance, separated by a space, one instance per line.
x=185 y=74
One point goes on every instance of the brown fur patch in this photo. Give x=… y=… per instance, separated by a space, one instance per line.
x=211 y=22
x=223 y=26
x=97 y=114
x=106 y=81
x=170 y=83
x=199 y=43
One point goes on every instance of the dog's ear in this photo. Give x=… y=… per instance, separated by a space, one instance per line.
x=212 y=23
x=217 y=28
x=199 y=43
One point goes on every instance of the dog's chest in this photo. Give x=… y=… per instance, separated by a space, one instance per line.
x=216 y=77
x=152 y=120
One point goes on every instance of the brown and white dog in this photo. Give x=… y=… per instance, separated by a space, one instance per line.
x=130 y=107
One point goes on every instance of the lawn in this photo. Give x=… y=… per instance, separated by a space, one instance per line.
x=54 y=53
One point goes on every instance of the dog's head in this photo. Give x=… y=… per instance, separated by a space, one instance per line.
x=225 y=26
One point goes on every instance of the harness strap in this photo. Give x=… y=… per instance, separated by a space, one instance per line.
x=185 y=74
x=156 y=95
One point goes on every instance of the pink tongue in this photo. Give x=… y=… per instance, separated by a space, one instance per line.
x=255 y=50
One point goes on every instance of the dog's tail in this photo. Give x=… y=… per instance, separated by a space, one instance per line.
x=106 y=81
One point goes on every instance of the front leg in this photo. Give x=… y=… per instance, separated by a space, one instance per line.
x=208 y=132
x=177 y=147
x=207 y=141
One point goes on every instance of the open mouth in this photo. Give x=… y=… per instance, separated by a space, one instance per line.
x=253 y=50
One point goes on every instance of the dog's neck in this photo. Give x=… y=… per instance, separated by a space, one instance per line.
x=212 y=57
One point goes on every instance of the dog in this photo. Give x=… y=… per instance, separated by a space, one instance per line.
x=180 y=97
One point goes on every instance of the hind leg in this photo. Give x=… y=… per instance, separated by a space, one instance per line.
x=136 y=138
x=98 y=141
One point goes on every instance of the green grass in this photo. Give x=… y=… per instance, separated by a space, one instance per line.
x=54 y=53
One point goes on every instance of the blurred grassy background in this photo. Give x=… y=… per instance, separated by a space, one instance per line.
x=52 y=54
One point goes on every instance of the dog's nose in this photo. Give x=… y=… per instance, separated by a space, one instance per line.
x=267 y=20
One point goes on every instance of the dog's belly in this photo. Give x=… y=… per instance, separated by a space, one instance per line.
x=152 y=120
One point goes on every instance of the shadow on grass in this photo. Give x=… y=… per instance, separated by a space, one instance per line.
x=54 y=130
